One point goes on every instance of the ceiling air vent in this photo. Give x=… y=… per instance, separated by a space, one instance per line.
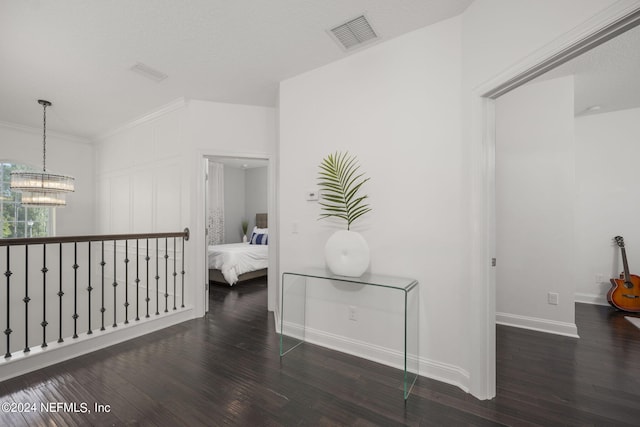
x=354 y=33
x=148 y=72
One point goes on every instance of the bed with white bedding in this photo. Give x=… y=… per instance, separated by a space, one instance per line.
x=236 y=262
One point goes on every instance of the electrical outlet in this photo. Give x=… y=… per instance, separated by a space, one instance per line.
x=553 y=298
x=353 y=314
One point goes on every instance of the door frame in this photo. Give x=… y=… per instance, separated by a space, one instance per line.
x=200 y=221
x=616 y=19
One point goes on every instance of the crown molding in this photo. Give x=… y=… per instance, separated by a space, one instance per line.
x=174 y=105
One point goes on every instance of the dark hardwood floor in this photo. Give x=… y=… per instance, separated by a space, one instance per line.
x=225 y=370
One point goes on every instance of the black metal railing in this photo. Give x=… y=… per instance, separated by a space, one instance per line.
x=75 y=304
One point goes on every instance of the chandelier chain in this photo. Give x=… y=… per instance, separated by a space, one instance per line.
x=44 y=138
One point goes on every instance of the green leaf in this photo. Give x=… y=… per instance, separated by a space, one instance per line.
x=340 y=182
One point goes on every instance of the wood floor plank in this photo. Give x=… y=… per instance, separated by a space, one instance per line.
x=224 y=369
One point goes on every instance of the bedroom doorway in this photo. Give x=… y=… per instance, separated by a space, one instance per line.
x=610 y=23
x=237 y=207
x=554 y=206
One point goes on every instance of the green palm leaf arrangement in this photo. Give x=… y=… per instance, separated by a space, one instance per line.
x=339 y=183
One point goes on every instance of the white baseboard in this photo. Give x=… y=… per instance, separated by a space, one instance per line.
x=439 y=371
x=537 y=324
x=591 y=298
x=39 y=357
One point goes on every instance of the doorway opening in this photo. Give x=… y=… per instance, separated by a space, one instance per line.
x=610 y=23
x=557 y=139
x=237 y=206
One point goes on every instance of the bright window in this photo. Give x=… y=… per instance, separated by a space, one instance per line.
x=16 y=220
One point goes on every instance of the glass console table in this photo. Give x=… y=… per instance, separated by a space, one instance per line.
x=403 y=295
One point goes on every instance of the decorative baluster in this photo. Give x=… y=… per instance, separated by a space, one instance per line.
x=65 y=307
x=60 y=295
x=102 y=264
x=89 y=288
x=8 y=330
x=157 y=278
x=126 y=282
x=174 y=273
x=44 y=322
x=146 y=258
x=115 y=284
x=137 y=280
x=75 y=290
x=182 y=272
x=26 y=299
x=166 y=275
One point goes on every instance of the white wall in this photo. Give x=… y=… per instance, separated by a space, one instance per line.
x=535 y=191
x=234 y=203
x=159 y=184
x=256 y=194
x=607 y=199
x=396 y=106
x=245 y=194
x=66 y=155
x=605 y=146
x=144 y=190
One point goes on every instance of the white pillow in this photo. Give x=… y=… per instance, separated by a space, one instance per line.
x=260 y=230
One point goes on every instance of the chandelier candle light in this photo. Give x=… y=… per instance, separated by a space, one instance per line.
x=42 y=189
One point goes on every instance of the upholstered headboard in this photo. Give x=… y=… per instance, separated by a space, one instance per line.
x=261 y=220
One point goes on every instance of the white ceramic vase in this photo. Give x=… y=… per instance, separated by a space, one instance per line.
x=347 y=253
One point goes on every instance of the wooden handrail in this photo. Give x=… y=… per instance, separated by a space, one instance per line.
x=91 y=238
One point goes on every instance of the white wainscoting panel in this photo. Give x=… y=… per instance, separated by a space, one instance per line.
x=143 y=201
x=119 y=204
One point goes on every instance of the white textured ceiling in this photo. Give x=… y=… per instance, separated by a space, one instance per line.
x=78 y=53
x=607 y=76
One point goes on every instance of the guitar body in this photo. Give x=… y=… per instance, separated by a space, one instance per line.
x=624 y=298
x=625 y=291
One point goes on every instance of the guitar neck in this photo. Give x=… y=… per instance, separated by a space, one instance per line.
x=627 y=277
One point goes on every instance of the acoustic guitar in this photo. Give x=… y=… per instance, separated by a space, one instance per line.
x=625 y=291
